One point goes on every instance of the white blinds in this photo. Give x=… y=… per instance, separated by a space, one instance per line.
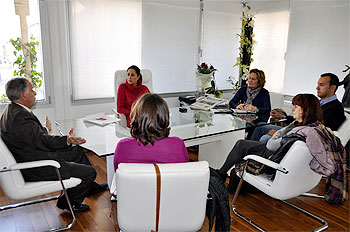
x=105 y=37
x=170 y=43
x=319 y=42
x=271 y=31
x=221 y=26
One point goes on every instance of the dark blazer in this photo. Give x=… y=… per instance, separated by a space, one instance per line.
x=28 y=140
x=333 y=114
x=261 y=101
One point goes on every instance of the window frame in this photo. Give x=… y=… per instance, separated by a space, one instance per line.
x=46 y=58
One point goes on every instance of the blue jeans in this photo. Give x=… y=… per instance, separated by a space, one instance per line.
x=259 y=133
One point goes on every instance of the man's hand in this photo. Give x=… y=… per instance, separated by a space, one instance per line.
x=271 y=132
x=48 y=124
x=276 y=114
x=71 y=139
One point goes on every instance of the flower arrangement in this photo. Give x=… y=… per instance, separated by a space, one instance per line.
x=246 y=44
x=205 y=69
x=205 y=76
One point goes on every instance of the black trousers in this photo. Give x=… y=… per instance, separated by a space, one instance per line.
x=80 y=167
x=241 y=149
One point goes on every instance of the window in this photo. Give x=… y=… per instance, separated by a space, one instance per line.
x=271 y=32
x=11 y=30
x=170 y=41
x=163 y=36
x=221 y=26
x=105 y=37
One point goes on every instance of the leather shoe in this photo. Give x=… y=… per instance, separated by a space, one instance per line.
x=76 y=207
x=96 y=188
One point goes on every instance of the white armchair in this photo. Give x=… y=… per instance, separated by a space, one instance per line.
x=343 y=131
x=120 y=77
x=15 y=187
x=183 y=189
x=293 y=178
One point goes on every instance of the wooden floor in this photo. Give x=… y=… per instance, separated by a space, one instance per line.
x=273 y=215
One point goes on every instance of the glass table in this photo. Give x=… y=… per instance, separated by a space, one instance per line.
x=215 y=134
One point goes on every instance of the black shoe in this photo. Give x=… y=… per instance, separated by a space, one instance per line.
x=96 y=188
x=76 y=207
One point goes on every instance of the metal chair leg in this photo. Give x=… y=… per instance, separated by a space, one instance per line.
x=321 y=228
x=64 y=191
x=235 y=198
x=5 y=207
x=69 y=226
x=313 y=195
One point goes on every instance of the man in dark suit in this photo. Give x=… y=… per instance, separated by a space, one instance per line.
x=333 y=110
x=28 y=141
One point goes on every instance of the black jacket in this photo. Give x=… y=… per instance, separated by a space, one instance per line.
x=218 y=204
x=28 y=141
x=333 y=114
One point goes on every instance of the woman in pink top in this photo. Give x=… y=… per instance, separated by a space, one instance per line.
x=150 y=130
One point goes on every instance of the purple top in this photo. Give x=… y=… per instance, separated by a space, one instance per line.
x=166 y=150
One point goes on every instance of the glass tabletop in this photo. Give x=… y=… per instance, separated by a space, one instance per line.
x=193 y=124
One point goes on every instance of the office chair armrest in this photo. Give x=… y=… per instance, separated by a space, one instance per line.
x=266 y=162
x=32 y=164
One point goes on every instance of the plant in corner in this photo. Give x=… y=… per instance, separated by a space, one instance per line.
x=246 y=44
x=24 y=53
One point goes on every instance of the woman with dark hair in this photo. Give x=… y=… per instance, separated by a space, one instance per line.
x=130 y=91
x=150 y=130
x=326 y=149
x=254 y=97
x=307 y=113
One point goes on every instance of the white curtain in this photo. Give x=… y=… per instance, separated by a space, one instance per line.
x=221 y=27
x=170 y=43
x=105 y=37
x=271 y=32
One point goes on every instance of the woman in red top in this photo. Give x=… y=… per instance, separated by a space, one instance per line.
x=130 y=91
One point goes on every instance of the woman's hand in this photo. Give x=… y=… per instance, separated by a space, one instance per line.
x=240 y=107
x=252 y=108
x=271 y=132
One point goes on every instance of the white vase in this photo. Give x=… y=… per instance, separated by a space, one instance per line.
x=203 y=82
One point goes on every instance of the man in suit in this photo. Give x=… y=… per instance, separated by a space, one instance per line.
x=333 y=110
x=28 y=140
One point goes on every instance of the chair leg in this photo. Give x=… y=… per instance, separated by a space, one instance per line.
x=321 y=228
x=312 y=195
x=5 y=207
x=64 y=191
x=235 y=198
x=70 y=225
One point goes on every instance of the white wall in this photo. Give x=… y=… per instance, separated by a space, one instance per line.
x=318 y=42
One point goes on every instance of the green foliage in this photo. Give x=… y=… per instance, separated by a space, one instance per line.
x=4 y=99
x=235 y=84
x=212 y=90
x=246 y=43
x=25 y=52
